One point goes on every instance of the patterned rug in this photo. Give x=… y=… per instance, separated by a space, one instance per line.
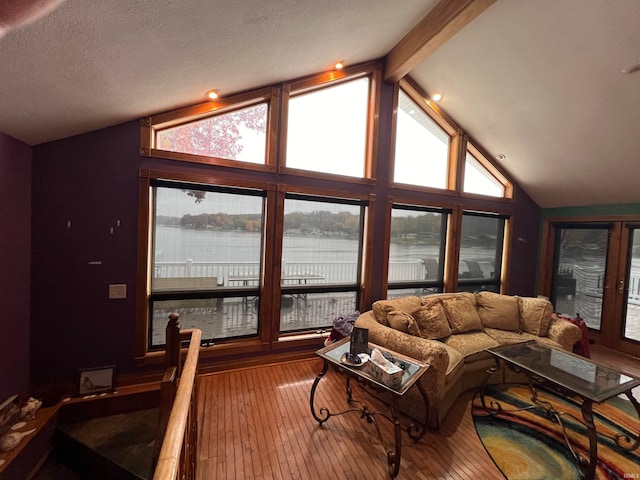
x=529 y=445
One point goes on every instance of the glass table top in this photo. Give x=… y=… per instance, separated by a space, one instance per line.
x=578 y=374
x=413 y=369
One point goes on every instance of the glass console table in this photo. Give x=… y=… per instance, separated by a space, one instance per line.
x=413 y=370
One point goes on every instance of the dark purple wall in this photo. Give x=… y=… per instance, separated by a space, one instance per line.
x=15 y=259
x=82 y=187
x=523 y=268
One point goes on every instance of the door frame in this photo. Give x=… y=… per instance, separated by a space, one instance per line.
x=613 y=297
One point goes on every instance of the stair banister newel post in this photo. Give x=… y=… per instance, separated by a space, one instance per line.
x=173 y=343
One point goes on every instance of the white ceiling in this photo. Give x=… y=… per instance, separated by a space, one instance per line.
x=538 y=81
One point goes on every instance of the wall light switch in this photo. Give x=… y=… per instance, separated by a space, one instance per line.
x=118 y=290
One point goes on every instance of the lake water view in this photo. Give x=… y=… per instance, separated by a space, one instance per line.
x=175 y=244
x=333 y=259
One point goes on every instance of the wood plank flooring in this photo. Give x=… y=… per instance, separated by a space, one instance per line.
x=256 y=423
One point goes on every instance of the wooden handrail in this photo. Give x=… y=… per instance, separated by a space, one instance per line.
x=181 y=424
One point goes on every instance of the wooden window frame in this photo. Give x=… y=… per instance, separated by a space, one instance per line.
x=495 y=171
x=398 y=202
x=452 y=273
x=223 y=347
x=411 y=89
x=372 y=70
x=149 y=126
x=364 y=276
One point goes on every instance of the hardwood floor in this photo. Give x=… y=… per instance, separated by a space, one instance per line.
x=614 y=359
x=256 y=423
x=625 y=363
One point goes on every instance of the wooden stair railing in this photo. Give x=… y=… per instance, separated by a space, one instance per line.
x=175 y=453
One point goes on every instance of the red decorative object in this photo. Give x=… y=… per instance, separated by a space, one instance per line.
x=582 y=346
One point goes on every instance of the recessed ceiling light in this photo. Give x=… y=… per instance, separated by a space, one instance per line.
x=339 y=65
x=213 y=94
x=501 y=156
x=436 y=97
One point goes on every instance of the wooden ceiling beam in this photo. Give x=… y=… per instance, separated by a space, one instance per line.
x=445 y=20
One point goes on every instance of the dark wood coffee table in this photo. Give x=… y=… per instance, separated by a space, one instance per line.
x=564 y=373
x=413 y=370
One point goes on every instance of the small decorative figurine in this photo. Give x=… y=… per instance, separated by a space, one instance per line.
x=28 y=411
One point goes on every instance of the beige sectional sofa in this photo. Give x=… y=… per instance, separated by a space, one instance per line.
x=450 y=331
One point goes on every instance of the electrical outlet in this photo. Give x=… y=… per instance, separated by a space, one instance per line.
x=118 y=290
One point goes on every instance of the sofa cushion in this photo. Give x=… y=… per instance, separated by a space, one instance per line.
x=381 y=308
x=472 y=345
x=499 y=311
x=535 y=315
x=504 y=337
x=461 y=314
x=443 y=296
x=432 y=321
x=403 y=322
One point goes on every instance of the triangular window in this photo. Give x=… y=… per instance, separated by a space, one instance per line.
x=482 y=178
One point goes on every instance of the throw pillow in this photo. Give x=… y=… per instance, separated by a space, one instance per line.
x=535 y=315
x=499 y=311
x=461 y=314
x=442 y=296
x=381 y=308
x=403 y=322
x=432 y=321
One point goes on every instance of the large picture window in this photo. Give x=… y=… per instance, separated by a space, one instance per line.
x=321 y=260
x=275 y=232
x=328 y=128
x=421 y=147
x=206 y=258
x=481 y=244
x=416 y=250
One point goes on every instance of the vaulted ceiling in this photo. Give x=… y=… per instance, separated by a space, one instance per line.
x=549 y=84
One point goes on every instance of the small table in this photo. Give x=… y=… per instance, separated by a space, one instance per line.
x=565 y=373
x=300 y=279
x=413 y=370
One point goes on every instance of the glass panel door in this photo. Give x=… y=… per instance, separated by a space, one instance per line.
x=596 y=275
x=579 y=272
x=632 y=307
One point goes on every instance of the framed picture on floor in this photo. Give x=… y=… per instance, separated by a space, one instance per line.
x=96 y=380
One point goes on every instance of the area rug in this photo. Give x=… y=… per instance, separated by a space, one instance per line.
x=529 y=445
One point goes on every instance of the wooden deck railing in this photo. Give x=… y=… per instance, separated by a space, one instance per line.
x=176 y=450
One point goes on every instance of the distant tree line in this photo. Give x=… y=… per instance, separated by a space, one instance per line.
x=419 y=224
x=429 y=225
x=319 y=222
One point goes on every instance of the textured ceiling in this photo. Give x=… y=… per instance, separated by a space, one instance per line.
x=542 y=83
x=538 y=81
x=93 y=63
